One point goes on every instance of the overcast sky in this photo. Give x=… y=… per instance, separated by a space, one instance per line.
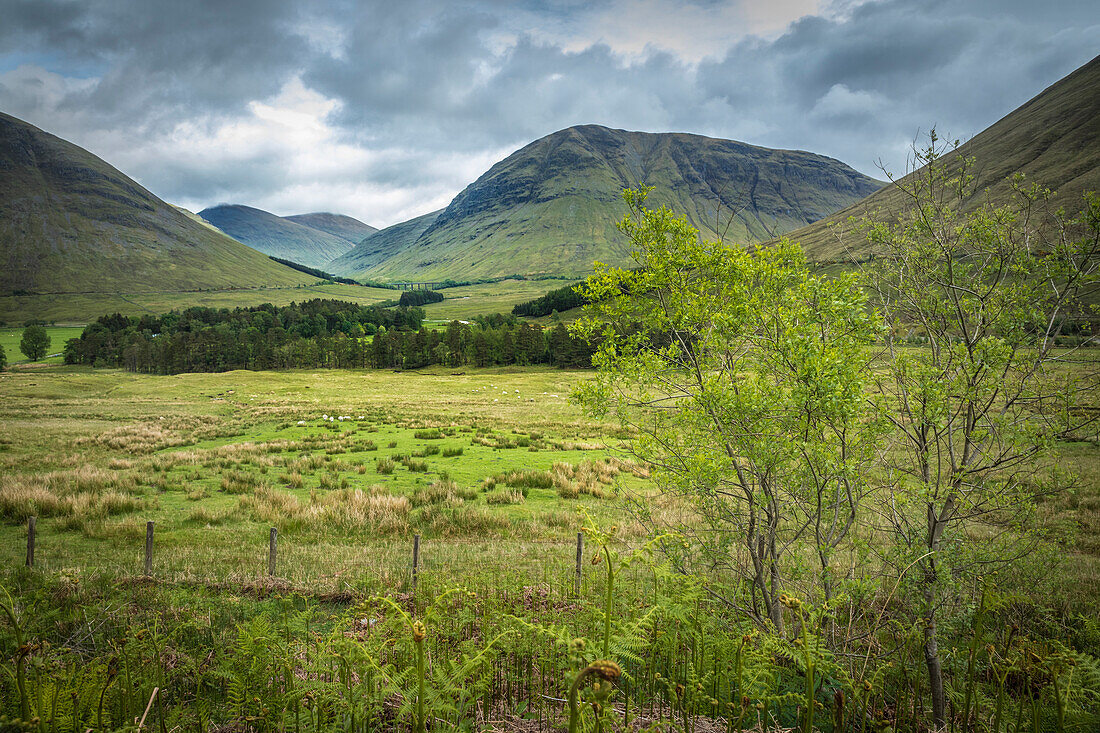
x=385 y=110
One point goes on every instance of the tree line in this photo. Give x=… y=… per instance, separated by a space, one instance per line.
x=560 y=300
x=324 y=334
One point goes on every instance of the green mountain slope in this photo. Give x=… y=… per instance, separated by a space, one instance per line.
x=275 y=235
x=551 y=207
x=382 y=245
x=71 y=223
x=338 y=225
x=1054 y=140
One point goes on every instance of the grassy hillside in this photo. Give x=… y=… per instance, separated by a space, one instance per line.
x=338 y=225
x=274 y=235
x=382 y=245
x=70 y=223
x=1054 y=139
x=86 y=307
x=551 y=207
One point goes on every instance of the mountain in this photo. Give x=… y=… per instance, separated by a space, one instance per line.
x=382 y=245
x=71 y=223
x=1054 y=140
x=551 y=207
x=275 y=235
x=337 y=225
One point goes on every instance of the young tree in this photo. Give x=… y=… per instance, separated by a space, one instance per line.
x=741 y=376
x=35 y=342
x=3 y=359
x=990 y=291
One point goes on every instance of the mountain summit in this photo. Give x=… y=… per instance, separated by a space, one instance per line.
x=71 y=223
x=552 y=206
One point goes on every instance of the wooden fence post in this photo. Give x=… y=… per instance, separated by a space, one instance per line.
x=580 y=558
x=148 y=548
x=416 y=558
x=272 y=552
x=31 y=522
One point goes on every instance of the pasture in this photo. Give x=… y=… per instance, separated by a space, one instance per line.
x=496 y=471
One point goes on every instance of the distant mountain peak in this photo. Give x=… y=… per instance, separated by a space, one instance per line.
x=551 y=207
x=289 y=238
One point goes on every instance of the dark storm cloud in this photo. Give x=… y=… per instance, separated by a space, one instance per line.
x=386 y=109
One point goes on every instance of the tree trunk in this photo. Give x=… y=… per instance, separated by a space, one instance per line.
x=935 y=673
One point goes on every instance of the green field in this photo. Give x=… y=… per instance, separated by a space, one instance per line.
x=10 y=338
x=495 y=470
x=463 y=303
x=148 y=433
x=86 y=307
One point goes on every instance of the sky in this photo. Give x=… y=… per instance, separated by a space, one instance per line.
x=385 y=110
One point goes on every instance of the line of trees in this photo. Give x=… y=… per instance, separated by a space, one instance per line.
x=420 y=297
x=558 y=300
x=315 y=334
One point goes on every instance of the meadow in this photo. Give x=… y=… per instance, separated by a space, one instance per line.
x=83 y=308
x=10 y=338
x=496 y=471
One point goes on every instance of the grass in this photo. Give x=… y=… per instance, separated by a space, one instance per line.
x=86 y=307
x=463 y=303
x=216 y=460
x=10 y=338
x=195 y=453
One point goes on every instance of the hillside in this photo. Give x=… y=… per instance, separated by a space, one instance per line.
x=382 y=245
x=551 y=207
x=1054 y=140
x=338 y=225
x=278 y=236
x=71 y=223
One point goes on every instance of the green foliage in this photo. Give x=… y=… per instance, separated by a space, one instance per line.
x=3 y=358
x=35 y=342
x=741 y=377
x=990 y=289
x=419 y=297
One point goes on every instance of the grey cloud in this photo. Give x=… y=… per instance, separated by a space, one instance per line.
x=426 y=86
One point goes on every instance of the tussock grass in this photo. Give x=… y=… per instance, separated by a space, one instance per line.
x=87 y=490
x=346 y=510
x=587 y=477
x=414 y=465
x=508 y=496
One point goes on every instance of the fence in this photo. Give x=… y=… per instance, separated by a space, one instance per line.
x=273 y=553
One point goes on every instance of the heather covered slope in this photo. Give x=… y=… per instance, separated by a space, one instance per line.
x=71 y=223
x=552 y=206
x=276 y=235
x=1054 y=140
x=338 y=225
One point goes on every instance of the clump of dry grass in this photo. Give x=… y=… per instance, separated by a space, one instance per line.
x=586 y=477
x=138 y=439
x=346 y=510
x=89 y=490
x=508 y=496
x=445 y=492
x=239 y=482
x=520 y=480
